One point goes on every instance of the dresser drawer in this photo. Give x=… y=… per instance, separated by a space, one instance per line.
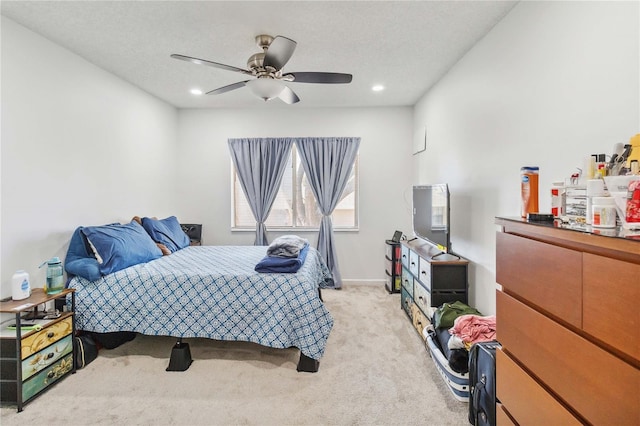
x=611 y=291
x=548 y=276
x=406 y=301
x=525 y=399
x=405 y=256
x=425 y=273
x=419 y=320
x=450 y=296
x=46 y=377
x=46 y=336
x=47 y=356
x=600 y=386
x=414 y=263
x=448 y=277
x=407 y=282
x=502 y=418
x=422 y=297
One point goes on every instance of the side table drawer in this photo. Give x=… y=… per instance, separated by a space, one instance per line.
x=46 y=336
x=393 y=283
x=392 y=251
x=46 y=357
x=392 y=267
x=46 y=377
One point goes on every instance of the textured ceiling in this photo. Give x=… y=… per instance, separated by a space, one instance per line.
x=405 y=45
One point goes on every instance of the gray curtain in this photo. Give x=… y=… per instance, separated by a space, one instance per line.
x=260 y=164
x=328 y=163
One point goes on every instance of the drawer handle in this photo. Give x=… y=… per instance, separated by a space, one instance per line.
x=50 y=355
x=51 y=334
x=413 y=263
x=51 y=374
x=423 y=272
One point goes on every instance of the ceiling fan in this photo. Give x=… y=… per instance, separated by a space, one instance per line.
x=266 y=67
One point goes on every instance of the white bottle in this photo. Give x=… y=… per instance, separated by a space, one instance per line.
x=595 y=188
x=604 y=212
x=20 y=286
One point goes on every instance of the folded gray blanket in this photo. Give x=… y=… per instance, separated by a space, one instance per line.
x=286 y=246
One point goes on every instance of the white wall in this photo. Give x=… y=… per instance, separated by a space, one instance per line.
x=79 y=147
x=552 y=83
x=385 y=179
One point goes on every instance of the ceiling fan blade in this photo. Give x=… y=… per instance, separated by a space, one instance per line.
x=279 y=52
x=210 y=63
x=288 y=96
x=228 y=88
x=319 y=77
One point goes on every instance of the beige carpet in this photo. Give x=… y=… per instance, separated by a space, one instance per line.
x=375 y=371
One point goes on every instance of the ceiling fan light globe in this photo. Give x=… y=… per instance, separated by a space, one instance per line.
x=266 y=88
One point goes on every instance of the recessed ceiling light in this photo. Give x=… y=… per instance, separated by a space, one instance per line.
x=196 y=92
x=377 y=88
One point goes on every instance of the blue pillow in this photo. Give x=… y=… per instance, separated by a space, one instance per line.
x=121 y=246
x=87 y=268
x=79 y=260
x=166 y=231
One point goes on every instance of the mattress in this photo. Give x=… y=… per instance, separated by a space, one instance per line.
x=211 y=292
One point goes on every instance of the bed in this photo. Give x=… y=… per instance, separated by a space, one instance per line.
x=212 y=292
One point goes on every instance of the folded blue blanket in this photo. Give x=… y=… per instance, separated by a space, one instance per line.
x=282 y=264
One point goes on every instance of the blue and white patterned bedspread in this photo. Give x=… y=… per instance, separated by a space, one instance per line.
x=211 y=292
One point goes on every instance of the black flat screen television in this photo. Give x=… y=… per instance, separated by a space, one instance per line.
x=431 y=214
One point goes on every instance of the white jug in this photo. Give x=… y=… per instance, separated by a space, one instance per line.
x=20 y=285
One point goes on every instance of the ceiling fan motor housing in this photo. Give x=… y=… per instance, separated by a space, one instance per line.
x=263 y=41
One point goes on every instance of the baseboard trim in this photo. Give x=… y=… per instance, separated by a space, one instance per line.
x=363 y=282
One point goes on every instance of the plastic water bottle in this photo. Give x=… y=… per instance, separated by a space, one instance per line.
x=55 y=280
x=20 y=287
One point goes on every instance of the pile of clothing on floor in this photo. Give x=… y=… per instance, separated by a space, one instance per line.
x=456 y=327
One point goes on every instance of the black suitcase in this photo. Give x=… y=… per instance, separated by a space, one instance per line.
x=482 y=383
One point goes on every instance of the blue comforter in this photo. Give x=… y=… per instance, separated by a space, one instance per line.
x=211 y=292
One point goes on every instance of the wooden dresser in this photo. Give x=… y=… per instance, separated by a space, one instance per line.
x=568 y=319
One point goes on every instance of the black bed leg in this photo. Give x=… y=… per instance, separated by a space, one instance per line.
x=180 y=357
x=308 y=365
x=320 y=295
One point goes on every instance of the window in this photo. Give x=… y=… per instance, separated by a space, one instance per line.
x=295 y=206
